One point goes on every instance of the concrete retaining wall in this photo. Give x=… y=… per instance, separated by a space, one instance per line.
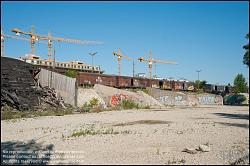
x=85 y=95
x=64 y=86
x=113 y=96
x=184 y=99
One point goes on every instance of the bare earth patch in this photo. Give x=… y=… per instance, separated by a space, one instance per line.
x=133 y=137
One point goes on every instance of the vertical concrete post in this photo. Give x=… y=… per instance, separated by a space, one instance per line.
x=76 y=92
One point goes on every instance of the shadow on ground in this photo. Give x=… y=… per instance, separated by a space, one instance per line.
x=16 y=152
x=234 y=124
x=233 y=116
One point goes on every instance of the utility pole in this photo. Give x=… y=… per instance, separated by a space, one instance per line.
x=198 y=71
x=133 y=68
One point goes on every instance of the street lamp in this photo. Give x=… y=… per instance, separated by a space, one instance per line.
x=198 y=71
x=93 y=54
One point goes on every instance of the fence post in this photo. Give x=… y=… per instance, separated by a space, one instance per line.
x=76 y=91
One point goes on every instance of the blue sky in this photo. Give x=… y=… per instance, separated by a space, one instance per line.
x=197 y=35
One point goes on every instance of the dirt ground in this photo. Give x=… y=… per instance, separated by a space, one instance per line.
x=132 y=137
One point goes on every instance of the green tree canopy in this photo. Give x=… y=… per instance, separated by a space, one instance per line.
x=240 y=85
x=246 y=55
x=200 y=84
x=71 y=73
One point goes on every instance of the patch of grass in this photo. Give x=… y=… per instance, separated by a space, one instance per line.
x=149 y=122
x=145 y=91
x=127 y=104
x=91 y=131
x=5 y=115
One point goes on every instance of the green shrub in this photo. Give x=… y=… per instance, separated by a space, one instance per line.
x=127 y=104
x=71 y=73
x=94 y=102
x=145 y=91
x=86 y=107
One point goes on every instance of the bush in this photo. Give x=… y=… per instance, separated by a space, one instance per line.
x=127 y=104
x=93 y=103
x=71 y=73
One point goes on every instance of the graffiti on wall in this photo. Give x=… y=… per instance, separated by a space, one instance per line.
x=118 y=98
x=206 y=100
x=171 y=100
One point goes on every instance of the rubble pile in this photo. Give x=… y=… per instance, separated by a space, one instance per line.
x=19 y=90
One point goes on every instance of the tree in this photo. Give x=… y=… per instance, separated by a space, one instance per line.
x=200 y=84
x=71 y=73
x=240 y=85
x=246 y=55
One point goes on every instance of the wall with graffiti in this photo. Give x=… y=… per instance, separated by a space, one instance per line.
x=184 y=99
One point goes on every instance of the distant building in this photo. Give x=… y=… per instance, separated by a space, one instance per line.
x=76 y=65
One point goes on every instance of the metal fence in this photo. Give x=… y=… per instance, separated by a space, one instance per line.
x=64 y=86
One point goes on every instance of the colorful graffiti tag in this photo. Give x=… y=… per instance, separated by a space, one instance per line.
x=118 y=98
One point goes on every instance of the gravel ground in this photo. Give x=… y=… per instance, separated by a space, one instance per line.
x=134 y=136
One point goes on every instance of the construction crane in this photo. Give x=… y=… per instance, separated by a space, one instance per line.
x=36 y=37
x=151 y=61
x=3 y=37
x=119 y=58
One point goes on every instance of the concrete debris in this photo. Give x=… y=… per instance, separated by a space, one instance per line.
x=19 y=90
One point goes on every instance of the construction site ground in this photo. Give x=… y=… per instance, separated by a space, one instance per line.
x=156 y=136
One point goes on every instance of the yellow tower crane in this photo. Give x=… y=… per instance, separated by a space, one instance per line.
x=151 y=61
x=119 y=58
x=3 y=37
x=36 y=37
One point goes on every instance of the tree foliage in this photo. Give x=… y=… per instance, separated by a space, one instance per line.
x=246 y=55
x=71 y=73
x=240 y=85
x=200 y=84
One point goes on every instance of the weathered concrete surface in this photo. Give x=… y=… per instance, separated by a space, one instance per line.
x=184 y=99
x=237 y=99
x=224 y=128
x=111 y=95
x=85 y=95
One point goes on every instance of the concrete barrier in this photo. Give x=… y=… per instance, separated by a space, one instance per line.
x=86 y=95
x=113 y=96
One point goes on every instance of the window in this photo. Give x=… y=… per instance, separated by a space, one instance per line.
x=50 y=63
x=32 y=61
x=64 y=65
x=45 y=63
x=74 y=66
x=61 y=65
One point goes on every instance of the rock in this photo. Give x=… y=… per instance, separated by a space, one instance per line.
x=189 y=150
x=203 y=148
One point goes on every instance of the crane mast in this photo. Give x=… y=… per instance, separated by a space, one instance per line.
x=151 y=61
x=119 y=58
